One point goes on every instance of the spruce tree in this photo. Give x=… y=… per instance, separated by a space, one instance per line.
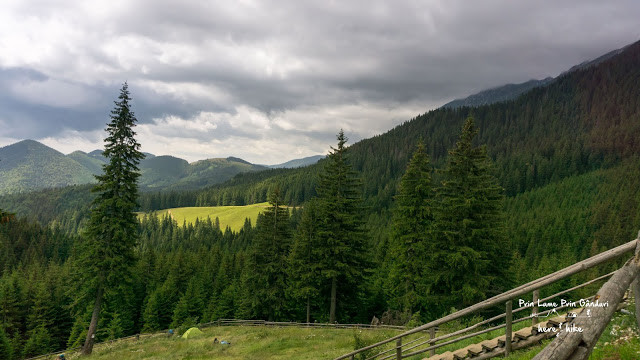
x=39 y=342
x=467 y=261
x=107 y=251
x=6 y=351
x=304 y=264
x=341 y=248
x=412 y=220
x=270 y=249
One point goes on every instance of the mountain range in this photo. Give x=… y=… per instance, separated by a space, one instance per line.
x=29 y=165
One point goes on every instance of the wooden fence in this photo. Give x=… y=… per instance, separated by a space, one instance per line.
x=395 y=348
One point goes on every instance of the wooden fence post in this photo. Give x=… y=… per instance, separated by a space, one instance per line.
x=399 y=349
x=432 y=335
x=507 y=332
x=534 y=311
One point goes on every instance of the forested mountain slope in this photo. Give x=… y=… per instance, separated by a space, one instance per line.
x=498 y=94
x=29 y=165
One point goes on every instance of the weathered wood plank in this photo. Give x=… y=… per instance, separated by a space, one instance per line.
x=489 y=345
x=475 y=349
x=523 y=334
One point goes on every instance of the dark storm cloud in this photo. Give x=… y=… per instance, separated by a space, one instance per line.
x=283 y=69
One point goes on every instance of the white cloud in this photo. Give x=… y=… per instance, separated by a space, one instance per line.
x=71 y=140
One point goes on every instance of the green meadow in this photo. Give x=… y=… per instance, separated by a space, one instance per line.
x=232 y=216
x=619 y=341
x=247 y=343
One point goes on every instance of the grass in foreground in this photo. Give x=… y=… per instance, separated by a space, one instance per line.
x=232 y=216
x=619 y=341
x=246 y=343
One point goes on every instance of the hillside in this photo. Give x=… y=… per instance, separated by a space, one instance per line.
x=29 y=165
x=212 y=171
x=512 y=91
x=296 y=163
x=92 y=163
x=497 y=94
x=162 y=171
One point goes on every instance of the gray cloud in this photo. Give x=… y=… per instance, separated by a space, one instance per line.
x=202 y=73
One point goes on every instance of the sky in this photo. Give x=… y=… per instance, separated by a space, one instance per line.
x=271 y=81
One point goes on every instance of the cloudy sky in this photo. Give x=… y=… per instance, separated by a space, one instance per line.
x=270 y=81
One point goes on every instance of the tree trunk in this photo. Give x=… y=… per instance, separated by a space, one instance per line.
x=332 y=309
x=308 y=309
x=592 y=320
x=88 y=343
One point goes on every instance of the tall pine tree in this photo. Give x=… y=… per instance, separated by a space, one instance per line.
x=270 y=249
x=412 y=220
x=107 y=251
x=341 y=249
x=304 y=264
x=467 y=261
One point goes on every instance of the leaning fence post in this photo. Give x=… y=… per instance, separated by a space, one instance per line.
x=432 y=335
x=534 y=311
x=509 y=318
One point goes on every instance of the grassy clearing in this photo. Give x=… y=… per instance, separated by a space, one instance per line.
x=619 y=341
x=246 y=343
x=232 y=216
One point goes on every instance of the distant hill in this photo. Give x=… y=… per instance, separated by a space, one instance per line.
x=213 y=171
x=92 y=163
x=296 y=163
x=97 y=154
x=162 y=171
x=29 y=165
